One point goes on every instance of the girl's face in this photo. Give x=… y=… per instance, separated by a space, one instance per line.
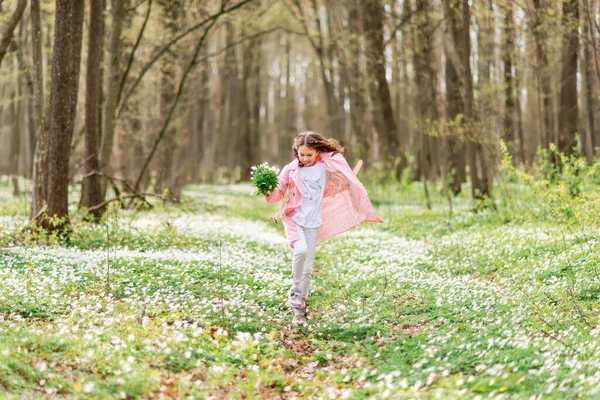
x=307 y=155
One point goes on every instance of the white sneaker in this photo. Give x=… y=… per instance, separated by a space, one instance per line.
x=295 y=299
x=299 y=317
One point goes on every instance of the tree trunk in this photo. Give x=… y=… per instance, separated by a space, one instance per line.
x=15 y=137
x=91 y=190
x=171 y=10
x=290 y=102
x=251 y=106
x=568 y=111
x=521 y=137
x=539 y=30
x=380 y=92
x=475 y=154
x=63 y=104
x=25 y=72
x=589 y=83
x=425 y=86
x=39 y=173
x=454 y=160
x=507 y=57
x=201 y=118
x=222 y=158
x=114 y=77
x=358 y=103
x=234 y=92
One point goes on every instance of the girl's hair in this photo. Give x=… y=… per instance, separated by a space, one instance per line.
x=318 y=142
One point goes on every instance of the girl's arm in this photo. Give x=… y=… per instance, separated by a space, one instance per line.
x=282 y=184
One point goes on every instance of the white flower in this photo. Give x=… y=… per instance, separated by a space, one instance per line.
x=88 y=387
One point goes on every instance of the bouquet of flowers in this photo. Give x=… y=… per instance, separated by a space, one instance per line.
x=264 y=178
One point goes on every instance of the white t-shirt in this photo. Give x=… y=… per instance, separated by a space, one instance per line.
x=314 y=180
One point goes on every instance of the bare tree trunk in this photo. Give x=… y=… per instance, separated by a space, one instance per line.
x=12 y=24
x=39 y=173
x=591 y=9
x=425 y=87
x=290 y=102
x=251 y=105
x=202 y=114
x=337 y=72
x=476 y=159
x=91 y=190
x=507 y=57
x=358 y=104
x=63 y=104
x=568 y=111
x=454 y=163
x=589 y=85
x=234 y=91
x=380 y=92
x=539 y=30
x=171 y=10
x=15 y=137
x=279 y=108
x=114 y=77
x=222 y=158
x=521 y=137
x=25 y=73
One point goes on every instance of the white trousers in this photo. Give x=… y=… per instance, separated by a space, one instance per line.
x=304 y=259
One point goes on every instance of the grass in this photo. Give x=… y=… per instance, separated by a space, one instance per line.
x=189 y=301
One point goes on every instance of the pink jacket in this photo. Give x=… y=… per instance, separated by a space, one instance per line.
x=345 y=201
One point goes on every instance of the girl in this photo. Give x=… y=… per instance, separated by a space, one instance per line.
x=325 y=199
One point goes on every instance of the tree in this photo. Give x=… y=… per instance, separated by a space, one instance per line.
x=39 y=174
x=453 y=168
x=358 y=96
x=166 y=175
x=63 y=104
x=507 y=58
x=590 y=84
x=114 y=78
x=425 y=86
x=91 y=190
x=458 y=48
x=15 y=138
x=379 y=88
x=539 y=30
x=12 y=24
x=568 y=110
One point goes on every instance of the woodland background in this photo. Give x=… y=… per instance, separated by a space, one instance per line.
x=487 y=106
x=146 y=96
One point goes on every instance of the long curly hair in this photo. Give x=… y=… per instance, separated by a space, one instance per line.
x=317 y=142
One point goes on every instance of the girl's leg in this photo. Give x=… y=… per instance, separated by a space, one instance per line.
x=310 y=236
x=295 y=299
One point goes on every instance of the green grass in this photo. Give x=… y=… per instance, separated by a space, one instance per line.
x=189 y=301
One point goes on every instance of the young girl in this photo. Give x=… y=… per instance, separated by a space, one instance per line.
x=325 y=199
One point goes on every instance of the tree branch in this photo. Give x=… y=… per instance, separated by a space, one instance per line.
x=127 y=196
x=12 y=24
x=136 y=6
x=172 y=110
x=131 y=57
x=166 y=47
x=246 y=38
x=110 y=178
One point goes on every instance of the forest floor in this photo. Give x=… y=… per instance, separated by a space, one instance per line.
x=188 y=301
